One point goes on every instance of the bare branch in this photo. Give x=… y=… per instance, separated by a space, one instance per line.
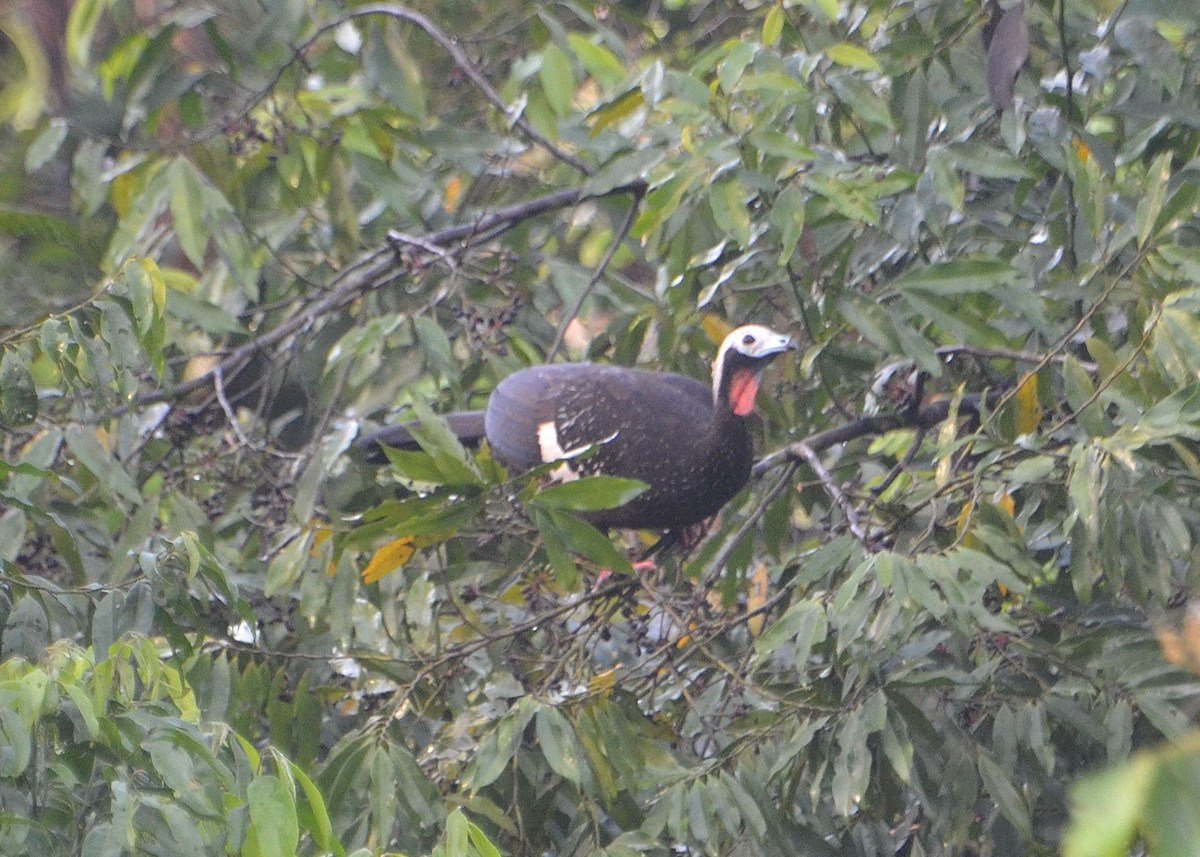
x=373 y=270
x=618 y=239
x=831 y=487
x=922 y=418
x=472 y=72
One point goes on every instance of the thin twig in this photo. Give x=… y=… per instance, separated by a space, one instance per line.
x=722 y=555
x=1009 y=354
x=834 y=491
x=219 y=387
x=902 y=464
x=473 y=73
x=618 y=239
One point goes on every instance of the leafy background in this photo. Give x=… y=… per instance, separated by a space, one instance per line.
x=235 y=236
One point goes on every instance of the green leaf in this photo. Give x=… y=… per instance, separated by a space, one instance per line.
x=599 y=61
x=590 y=494
x=18 y=392
x=748 y=806
x=858 y=95
x=787 y=215
x=46 y=144
x=1170 y=821
x=852 y=56
x=557 y=740
x=987 y=162
x=313 y=812
x=826 y=10
x=1175 y=340
x=803 y=624
x=436 y=438
x=999 y=785
x=1154 y=193
x=729 y=200
x=773 y=25
x=286 y=566
x=627 y=168
x=414 y=466
x=959 y=277
x=44 y=227
x=107 y=470
x=559 y=528
x=382 y=793
x=457 y=834
x=17 y=740
x=1106 y=808
x=273 y=816
x=499 y=746
x=188 y=211
x=846 y=195
x=481 y=843
x=731 y=68
x=616 y=111
x=81 y=26
x=558 y=79
x=147 y=292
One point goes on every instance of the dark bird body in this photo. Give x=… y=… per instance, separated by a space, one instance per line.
x=686 y=440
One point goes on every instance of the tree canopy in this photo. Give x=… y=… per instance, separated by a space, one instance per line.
x=947 y=616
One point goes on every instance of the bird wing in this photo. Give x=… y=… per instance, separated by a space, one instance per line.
x=588 y=404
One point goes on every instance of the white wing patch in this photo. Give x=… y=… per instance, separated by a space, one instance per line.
x=551 y=450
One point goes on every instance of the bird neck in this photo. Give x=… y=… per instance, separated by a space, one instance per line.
x=734 y=390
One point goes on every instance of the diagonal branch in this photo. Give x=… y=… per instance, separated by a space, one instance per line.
x=473 y=73
x=618 y=239
x=372 y=270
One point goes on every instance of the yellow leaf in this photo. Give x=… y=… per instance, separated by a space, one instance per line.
x=961 y=525
x=756 y=597
x=1081 y=150
x=320 y=536
x=616 y=111
x=388 y=558
x=1029 y=409
x=604 y=682
x=716 y=327
x=453 y=194
x=773 y=25
x=685 y=139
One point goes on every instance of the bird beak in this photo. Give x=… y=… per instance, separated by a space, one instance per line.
x=784 y=343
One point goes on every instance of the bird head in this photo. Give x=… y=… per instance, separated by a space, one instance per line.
x=740 y=361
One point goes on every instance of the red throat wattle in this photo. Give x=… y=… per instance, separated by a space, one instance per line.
x=743 y=388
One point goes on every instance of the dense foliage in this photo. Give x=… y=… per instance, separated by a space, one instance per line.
x=235 y=236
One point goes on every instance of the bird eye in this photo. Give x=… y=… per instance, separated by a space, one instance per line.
x=748 y=339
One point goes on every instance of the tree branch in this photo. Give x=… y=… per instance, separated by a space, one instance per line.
x=371 y=271
x=469 y=68
x=923 y=418
x=618 y=239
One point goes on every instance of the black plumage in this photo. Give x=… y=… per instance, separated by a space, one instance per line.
x=686 y=440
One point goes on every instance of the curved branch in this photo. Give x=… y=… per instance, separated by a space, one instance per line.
x=468 y=68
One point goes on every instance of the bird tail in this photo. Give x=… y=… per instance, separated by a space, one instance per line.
x=466 y=425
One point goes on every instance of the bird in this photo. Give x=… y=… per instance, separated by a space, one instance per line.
x=686 y=440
